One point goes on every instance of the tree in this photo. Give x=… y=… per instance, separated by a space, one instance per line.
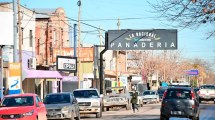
x=187 y=13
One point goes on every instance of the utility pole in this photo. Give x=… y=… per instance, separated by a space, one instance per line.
x=75 y=43
x=79 y=40
x=20 y=43
x=117 y=54
x=1 y=71
x=14 y=31
x=100 y=38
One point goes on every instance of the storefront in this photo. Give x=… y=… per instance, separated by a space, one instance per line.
x=42 y=82
x=69 y=83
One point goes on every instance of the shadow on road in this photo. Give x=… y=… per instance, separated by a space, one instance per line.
x=124 y=117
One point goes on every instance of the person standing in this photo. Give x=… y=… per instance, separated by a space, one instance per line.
x=134 y=101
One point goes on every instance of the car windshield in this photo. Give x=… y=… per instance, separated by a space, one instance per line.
x=178 y=94
x=18 y=101
x=149 y=93
x=86 y=94
x=57 y=99
x=207 y=87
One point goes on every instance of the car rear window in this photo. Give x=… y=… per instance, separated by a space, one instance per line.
x=149 y=93
x=207 y=87
x=178 y=94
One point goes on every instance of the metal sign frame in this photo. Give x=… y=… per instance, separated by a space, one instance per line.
x=152 y=39
x=70 y=65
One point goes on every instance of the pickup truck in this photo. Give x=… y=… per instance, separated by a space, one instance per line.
x=207 y=93
x=89 y=101
x=116 y=97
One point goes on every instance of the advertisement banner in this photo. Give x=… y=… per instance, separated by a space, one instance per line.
x=123 y=81
x=6 y=29
x=65 y=63
x=14 y=78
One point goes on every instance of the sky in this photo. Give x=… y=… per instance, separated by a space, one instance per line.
x=192 y=42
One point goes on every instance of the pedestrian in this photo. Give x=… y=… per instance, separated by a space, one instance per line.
x=134 y=101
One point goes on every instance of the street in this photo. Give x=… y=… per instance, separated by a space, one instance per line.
x=150 y=112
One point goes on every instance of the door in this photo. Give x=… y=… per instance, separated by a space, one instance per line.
x=41 y=109
x=76 y=106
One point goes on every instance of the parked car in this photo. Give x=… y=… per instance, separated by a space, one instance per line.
x=207 y=93
x=179 y=102
x=89 y=100
x=22 y=107
x=62 y=106
x=150 y=96
x=116 y=97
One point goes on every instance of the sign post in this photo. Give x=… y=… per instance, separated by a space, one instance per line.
x=1 y=70
x=14 y=79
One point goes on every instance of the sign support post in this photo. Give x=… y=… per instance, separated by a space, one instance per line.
x=1 y=69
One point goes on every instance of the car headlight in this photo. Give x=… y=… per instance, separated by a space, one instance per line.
x=29 y=113
x=65 y=109
x=95 y=104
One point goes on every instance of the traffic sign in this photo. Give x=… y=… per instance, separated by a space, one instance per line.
x=192 y=72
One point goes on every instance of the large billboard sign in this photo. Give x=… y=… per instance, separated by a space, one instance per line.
x=154 y=39
x=6 y=28
x=14 y=78
x=65 y=63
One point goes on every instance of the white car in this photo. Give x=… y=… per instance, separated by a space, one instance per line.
x=150 y=96
x=207 y=93
x=89 y=100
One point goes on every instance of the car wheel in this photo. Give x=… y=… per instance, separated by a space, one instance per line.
x=164 y=118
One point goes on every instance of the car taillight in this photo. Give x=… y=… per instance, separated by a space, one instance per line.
x=164 y=95
x=192 y=95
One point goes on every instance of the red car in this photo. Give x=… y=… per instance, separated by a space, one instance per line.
x=22 y=107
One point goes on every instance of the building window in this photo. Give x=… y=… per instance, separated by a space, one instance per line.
x=30 y=38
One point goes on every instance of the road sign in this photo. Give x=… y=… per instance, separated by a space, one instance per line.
x=192 y=72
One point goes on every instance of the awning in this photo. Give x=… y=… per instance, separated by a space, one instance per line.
x=43 y=74
x=110 y=74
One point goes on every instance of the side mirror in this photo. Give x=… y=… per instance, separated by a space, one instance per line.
x=101 y=96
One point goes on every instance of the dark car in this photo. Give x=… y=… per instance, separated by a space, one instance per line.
x=180 y=102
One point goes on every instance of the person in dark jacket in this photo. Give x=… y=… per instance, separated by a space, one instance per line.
x=134 y=101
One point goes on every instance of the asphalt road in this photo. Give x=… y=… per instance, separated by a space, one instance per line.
x=150 y=112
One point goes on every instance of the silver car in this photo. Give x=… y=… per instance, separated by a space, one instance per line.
x=62 y=106
x=150 y=96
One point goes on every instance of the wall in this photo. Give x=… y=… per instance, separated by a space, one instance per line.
x=51 y=33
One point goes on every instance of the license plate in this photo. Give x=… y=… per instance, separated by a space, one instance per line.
x=176 y=112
